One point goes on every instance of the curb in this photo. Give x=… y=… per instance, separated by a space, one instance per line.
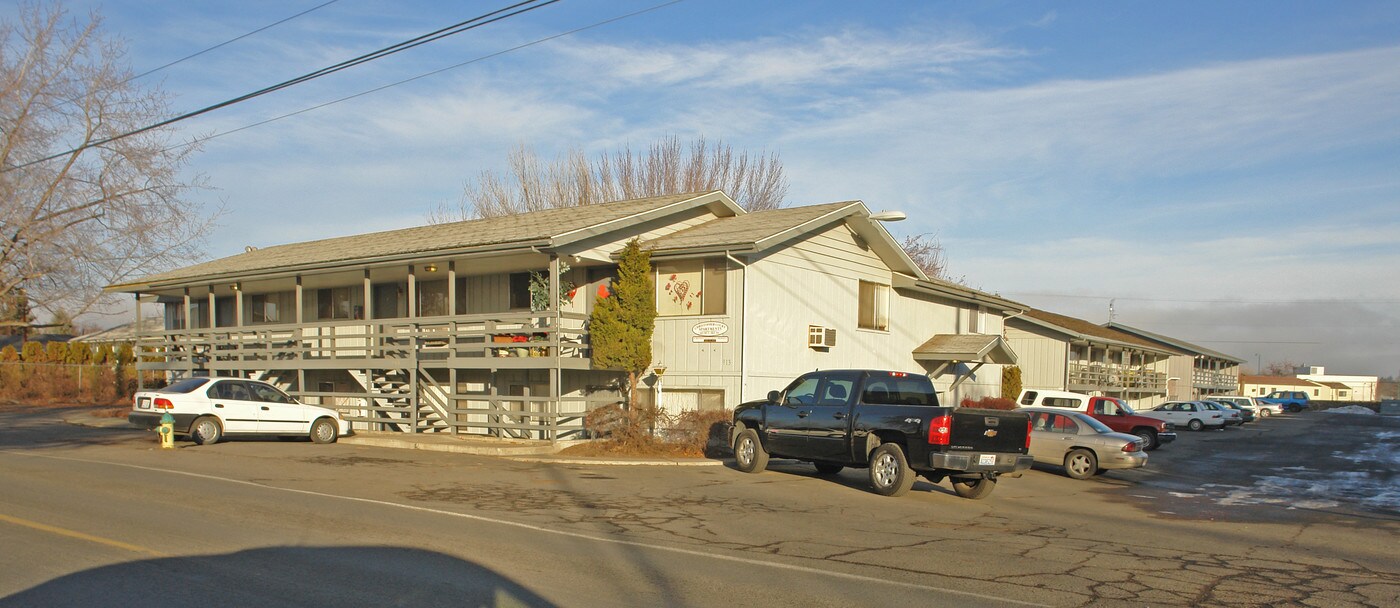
x=477 y=450
x=620 y=463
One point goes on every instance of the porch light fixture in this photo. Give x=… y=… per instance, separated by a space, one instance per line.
x=236 y=287
x=430 y=268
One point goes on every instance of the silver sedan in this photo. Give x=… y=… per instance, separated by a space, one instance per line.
x=1082 y=445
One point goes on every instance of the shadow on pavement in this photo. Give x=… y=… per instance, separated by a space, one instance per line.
x=43 y=427
x=286 y=576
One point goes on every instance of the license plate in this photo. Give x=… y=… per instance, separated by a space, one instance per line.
x=986 y=459
x=144 y=403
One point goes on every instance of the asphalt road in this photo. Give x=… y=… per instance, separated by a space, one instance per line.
x=100 y=517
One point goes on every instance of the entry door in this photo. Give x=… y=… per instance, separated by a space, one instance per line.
x=234 y=403
x=827 y=424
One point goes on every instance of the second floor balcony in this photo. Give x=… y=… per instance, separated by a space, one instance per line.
x=1106 y=377
x=498 y=341
x=1215 y=379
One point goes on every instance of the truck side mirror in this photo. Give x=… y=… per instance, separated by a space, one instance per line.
x=773 y=396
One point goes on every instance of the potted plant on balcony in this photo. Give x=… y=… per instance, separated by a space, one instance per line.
x=539 y=288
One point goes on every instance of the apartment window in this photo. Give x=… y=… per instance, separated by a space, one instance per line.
x=390 y=300
x=874 y=306
x=340 y=303
x=432 y=298
x=279 y=307
x=520 y=290
x=691 y=287
x=199 y=314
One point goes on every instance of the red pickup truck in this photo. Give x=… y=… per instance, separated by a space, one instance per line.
x=1109 y=410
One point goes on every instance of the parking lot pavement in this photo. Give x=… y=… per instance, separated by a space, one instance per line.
x=1295 y=467
x=1156 y=536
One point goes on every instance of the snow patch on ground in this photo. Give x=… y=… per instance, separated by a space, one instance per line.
x=1351 y=409
x=1375 y=482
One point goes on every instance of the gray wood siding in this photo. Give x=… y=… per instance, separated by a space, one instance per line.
x=703 y=365
x=1042 y=357
x=815 y=281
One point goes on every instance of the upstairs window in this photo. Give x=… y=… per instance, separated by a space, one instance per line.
x=279 y=307
x=340 y=303
x=690 y=287
x=874 y=306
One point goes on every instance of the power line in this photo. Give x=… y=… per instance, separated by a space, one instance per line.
x=230 y=41
x=1204 y=300
x=426 y=74
x=470 y=24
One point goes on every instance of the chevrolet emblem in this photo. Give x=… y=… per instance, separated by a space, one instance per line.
x=990 y=432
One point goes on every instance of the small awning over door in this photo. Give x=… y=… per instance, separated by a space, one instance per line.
x=972 y=348
x=948 y=350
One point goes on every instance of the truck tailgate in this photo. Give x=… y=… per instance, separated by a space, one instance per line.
x=982 y=430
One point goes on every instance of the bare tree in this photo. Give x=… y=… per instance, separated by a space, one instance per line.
x=99 y=214
x=927 y=252
x=1285 y=367
x=666 y=167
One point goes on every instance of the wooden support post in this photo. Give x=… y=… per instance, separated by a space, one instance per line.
x=412 y=292
x=136 y=348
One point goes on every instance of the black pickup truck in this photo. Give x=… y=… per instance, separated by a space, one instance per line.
x=889 y=422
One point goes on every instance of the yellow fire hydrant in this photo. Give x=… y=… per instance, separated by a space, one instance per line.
x=167 y=431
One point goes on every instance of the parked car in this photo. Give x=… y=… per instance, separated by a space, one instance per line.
x=208 y=409
x=1111 y=411
x=1082 y=445
x=889 y=422
x=1246 y=414
x=1262 y=410
x=1190 y=414
x=1232 y=416
x=1290 y=401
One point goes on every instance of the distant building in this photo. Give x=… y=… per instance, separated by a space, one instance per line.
x=123 y=333
x=1259 y=386
x=18 y=341
x=1361 y=388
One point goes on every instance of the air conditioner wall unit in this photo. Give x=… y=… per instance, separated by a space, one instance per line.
x=821 y=337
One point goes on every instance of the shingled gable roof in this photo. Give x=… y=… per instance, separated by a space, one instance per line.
x=749 y=231
x=1278 y=381
x=980 y=348
x=539 y=228
x=761 y=230
x=1173 y=342
x=1089 y=331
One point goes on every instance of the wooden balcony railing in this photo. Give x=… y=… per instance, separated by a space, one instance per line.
x=1215 y=379
x=1107 y=377
x=459 y=339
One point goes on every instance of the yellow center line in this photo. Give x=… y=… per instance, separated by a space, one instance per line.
x=79 y=535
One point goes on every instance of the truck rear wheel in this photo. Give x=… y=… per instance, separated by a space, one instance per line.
x=889 y=471
x=749 y=454
x=974 y=489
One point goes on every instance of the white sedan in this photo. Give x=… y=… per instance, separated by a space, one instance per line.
x=1193 y=415
x=207 y=409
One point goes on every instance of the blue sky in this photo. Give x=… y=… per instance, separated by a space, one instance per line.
x=1230 y=172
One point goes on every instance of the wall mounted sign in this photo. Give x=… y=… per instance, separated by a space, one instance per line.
x=709 y=328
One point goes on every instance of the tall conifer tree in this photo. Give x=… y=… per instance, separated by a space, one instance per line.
x=622 y=322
